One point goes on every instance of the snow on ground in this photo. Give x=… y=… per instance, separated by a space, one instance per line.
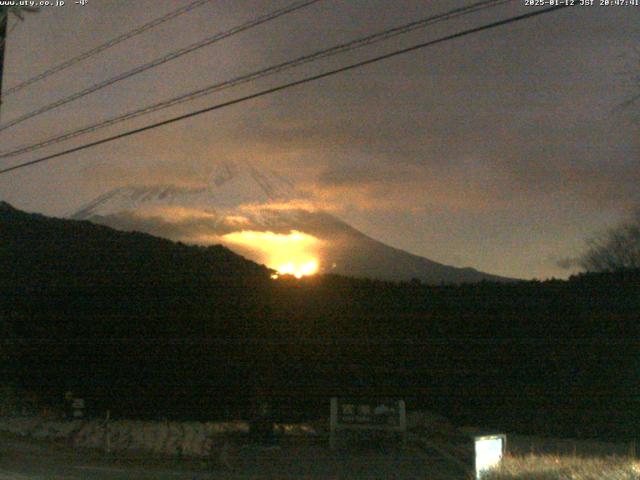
x=191 y=439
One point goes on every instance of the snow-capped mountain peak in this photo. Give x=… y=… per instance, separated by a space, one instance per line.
x=258 y=213
x=232 y=185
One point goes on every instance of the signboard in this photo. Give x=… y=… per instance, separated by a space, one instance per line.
x=367 y=414
x=489 y=452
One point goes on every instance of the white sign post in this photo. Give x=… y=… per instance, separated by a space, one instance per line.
x=489 y=451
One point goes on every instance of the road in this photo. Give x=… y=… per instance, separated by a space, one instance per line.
x=25 y=459
x=28 y=459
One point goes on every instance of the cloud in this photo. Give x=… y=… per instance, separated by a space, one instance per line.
x=175 y=224
x=459 y=133
x=568 y=263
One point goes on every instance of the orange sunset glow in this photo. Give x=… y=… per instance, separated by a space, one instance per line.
x=295 y=253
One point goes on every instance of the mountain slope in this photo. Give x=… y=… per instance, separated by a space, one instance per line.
x=244 y=199
x=232 y=185
x=37 y=250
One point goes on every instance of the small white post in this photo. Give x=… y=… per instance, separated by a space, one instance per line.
x=402 y=411
x=489 y=451
x=333 y=422
x=107 y=433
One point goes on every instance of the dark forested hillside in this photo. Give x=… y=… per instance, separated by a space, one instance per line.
x=147 y=327
x=35 y=249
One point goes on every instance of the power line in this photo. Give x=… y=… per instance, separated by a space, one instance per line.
x=164 y=59
x=290 y=84
x=105 y=46
x=278 y=68
x=4 y=16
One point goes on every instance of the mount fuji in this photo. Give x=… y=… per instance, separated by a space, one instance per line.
x=259 y=214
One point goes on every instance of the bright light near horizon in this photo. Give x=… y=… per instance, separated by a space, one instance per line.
x=294 y=253
x=299 y=270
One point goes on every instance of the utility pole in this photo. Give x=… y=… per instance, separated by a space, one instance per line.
x=4 y=16
x=4 y=33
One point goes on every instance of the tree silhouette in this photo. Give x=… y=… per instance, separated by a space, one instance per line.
x=631 y=76
x=616 y=249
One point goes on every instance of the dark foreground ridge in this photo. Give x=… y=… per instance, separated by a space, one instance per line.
x=150 y=328
x=39 y=251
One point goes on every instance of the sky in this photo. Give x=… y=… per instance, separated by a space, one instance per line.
x=503 y=151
